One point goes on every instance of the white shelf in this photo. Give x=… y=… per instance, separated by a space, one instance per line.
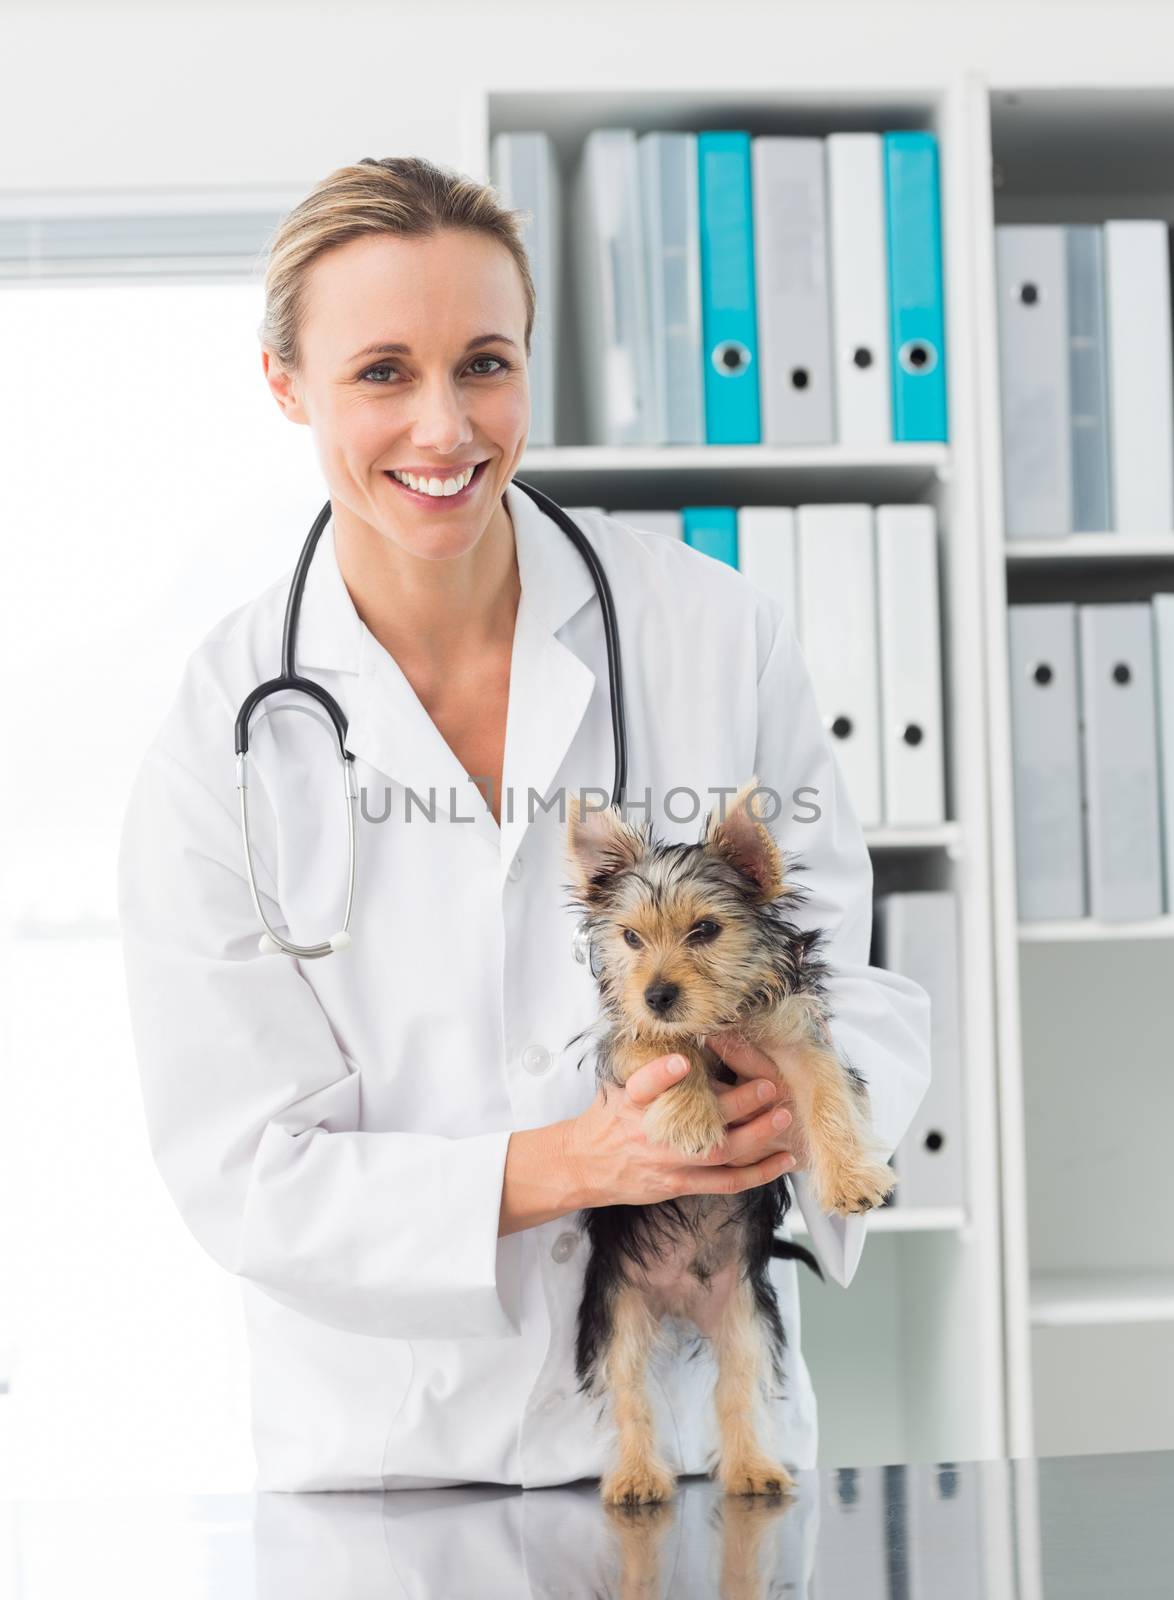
x=738 y=474
x=945 y=836
x=1066 y=1300
x=1090 y=549
x=898 y=1219
x=1089 y=929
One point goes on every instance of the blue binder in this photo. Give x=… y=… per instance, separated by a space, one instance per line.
x=916 y=318
x=713 y=530
x=728 y=321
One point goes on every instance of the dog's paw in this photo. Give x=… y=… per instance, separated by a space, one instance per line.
x=853 y=1188
x=754 y=1474
x=689 y=1121
x=638 y=1483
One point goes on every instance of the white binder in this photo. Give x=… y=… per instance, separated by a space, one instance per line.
x=837 y=614
x=791 y=291
x=858 y=262
x=1031 y=272
x=852 y=1553
x=615 y=350
x=667 y=522
x=948 y=1554
x=912 y=754
x=766 y=554
x=1120 y=761
x=1048 y=779
x=1162 y=613
x=672 y=253
x=525 y=173
x=1141 y=401
x=919 y=939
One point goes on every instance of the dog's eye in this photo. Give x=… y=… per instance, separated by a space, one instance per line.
x=703 y=932
x=632 y=938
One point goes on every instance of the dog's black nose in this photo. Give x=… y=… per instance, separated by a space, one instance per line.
x=661 y=997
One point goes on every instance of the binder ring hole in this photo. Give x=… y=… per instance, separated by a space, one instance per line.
x=1121 y=673
x=862 y=356
x=731 y=357
x=800 y=378
x=1029 y=294
x=842 y=727
x=934 y=1140
x=918 y=356
x=913 y=734
x=1042 y=674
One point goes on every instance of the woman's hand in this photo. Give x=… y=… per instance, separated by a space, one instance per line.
x=611 y=1162
x=753 y=1064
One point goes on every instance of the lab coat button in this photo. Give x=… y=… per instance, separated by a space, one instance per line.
x=553 y=1401
x=514 y=871
x=536 y=1058
x=564 y=1246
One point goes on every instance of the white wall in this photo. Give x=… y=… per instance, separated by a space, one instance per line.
x=277 y=92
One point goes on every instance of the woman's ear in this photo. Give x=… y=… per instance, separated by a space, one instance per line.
x=743 y=840
x=600 y=844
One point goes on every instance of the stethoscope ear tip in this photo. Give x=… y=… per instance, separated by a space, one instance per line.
x=340 y=941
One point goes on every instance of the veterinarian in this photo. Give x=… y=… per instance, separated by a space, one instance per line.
x=388 y=1145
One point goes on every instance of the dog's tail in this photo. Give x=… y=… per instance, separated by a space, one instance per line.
x=786 y=1250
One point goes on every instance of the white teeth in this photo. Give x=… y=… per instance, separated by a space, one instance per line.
x=436 y=486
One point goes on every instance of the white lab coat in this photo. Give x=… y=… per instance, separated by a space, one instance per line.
x=334 y=1131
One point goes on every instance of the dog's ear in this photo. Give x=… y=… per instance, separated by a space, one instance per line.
x=599 y=845
x=745 y=841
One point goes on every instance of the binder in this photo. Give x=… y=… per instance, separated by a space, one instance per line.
x=1048 y=773
x=713 y=529
x=859 y=267
x=912 y=748
x=1088 y=380
x=852 y=1552
x=1120 y=760
x=525 y=174
x=918 y=938
x=1162 y=617
x=948 y=1551
x=615 y=349
x=672 y=254
x=1141 y=406
x=666 y=522
x=728 y=316
x=838 y=633
x=1032 y=276
x=916 y=315
x=766 y=554
x=791 y=291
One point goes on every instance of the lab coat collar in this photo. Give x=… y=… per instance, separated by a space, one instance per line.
x=550 y=687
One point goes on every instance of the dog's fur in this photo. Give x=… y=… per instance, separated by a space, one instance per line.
x=693 y=939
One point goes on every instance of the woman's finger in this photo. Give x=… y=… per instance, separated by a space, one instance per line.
x=744 y=1099
x=754 y=1140
x=653 y=1078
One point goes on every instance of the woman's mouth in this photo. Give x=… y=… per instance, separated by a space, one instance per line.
x=425 y=496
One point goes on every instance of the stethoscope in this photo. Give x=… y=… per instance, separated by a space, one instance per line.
x=271 y=942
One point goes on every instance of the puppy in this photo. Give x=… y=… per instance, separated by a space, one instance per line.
x=692 y=939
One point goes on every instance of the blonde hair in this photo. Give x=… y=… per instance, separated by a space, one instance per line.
x=402 y=195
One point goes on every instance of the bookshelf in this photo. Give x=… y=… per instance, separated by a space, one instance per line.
x=926 y=1302
x=1088 y=1289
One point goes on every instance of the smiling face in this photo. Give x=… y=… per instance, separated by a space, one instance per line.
x=447 y=398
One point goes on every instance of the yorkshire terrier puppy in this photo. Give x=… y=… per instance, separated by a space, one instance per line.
x=692 y=939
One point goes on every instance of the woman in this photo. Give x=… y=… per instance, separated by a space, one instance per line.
x=389 y=1145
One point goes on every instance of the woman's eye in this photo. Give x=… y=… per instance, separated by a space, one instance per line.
x=632 y=938
x=702 y=932
x=385 y=366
